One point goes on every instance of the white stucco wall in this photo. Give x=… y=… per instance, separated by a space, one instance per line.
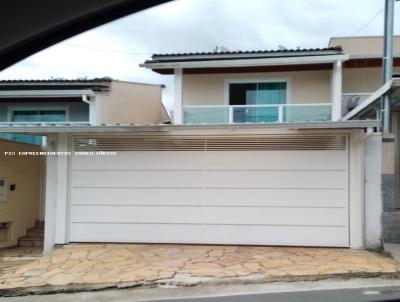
x=363 y=44
x=56 y=192
x=372 y=191
x=303 y=86
x=50 y=196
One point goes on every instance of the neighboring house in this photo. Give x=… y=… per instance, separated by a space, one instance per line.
x=362 y=74
x=94 y=101
x=36 y=103
x=261 y=151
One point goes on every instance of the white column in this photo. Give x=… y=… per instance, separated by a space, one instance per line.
x=56 y=209
x=337 y=91
x=62 y=186
x=230 y=115
x=42 y=190
x=178 y=96
x=92 y=110
x=97 y=102
x=50 y=195
x=373 y=196
x=356 y=202
x=280 y=114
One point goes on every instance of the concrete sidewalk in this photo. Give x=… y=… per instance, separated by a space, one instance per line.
x=94 y=266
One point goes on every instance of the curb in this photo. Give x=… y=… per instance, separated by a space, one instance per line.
x=184 y=281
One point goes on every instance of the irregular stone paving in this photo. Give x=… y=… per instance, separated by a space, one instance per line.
x=13 y=258
x=138 y=263
x=21 y=253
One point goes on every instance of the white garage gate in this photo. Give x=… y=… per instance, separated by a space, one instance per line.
x=269 y=190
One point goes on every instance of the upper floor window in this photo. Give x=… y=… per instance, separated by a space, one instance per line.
x=33 y=115
x=38 y=115
x=257 y=93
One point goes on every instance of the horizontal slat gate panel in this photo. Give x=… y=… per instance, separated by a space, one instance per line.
x=279 y=235
x=277 y=160
x=213 y=160
x=144 y=160
x=212 y=215
x=274 y=192
x=210 y=196
x=148 y=233
x=211 y=143
x=211 y=179
x=215 y=234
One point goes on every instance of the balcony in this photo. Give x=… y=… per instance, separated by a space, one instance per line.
x=280 y=113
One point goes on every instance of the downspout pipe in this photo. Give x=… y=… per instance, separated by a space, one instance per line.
x=387 y=64
x=86 y=99
x=90 y=101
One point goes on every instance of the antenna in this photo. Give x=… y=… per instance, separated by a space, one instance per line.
x=221 y=49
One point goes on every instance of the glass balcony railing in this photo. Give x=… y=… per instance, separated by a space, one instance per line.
x=255 y=114
x=206 y=115
x=307 y=113
x=224 y=114
x=24 y=138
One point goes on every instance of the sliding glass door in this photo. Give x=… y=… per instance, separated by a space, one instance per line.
x=256 y=93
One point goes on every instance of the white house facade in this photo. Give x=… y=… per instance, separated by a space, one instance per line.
x=263 y=150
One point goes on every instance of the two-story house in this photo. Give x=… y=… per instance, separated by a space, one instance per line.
x=259 y=152
x=274 y=86
x=340 y=82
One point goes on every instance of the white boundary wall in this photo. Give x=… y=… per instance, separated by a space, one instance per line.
x=372 y=189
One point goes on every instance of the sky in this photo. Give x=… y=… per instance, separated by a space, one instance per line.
x=116 y=49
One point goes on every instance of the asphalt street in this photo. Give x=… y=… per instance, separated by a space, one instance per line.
x=340 y=295
x=351 y=290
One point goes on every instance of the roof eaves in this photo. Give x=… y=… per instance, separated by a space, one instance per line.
x=244 y=54
x=83 y=127
x=239 y=62
x=56 y=81
x=359 y=56
x=253 y=51
x=97 y=84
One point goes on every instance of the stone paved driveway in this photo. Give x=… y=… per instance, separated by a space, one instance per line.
x=13 y=258
x=81 y=264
